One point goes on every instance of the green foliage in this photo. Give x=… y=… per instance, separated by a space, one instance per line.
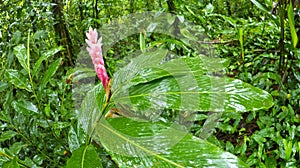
x=85 y=156
x=145 y=87
x=257 y=42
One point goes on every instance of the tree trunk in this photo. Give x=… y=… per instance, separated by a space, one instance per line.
x=62 y=32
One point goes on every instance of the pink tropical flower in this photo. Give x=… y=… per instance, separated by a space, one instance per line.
x=95 y=51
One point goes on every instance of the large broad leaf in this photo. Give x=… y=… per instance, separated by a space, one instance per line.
x=205 y=95
x=123 y=76
x=84 y=157
x=134 y=143
x=139 y=143
x=188 y=84
x=91 y=108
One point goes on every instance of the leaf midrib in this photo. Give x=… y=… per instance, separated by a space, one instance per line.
x=140 y=147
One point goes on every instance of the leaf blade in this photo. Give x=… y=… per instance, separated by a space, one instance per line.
x=20 y=52
x=148 y=144
x=50 y=72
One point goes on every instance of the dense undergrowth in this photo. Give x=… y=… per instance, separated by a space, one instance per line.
x=38 y=117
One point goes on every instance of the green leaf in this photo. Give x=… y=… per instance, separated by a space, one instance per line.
x=81 y=73
x=241 y=39
x=50 y=72
x=123 y=76
x=142 y=42
x=133 y=143
x=84 y=157
x=260 y=6
x=73 y=140
x=20 y=52
x=288 y=145
x=11 y=164
x=3 y=86
x=17 y=79
x=25 y=107
x=292 y=25
x=91 y=108
x=193 y=90
x=45 y=56
x=16 y=147
x=7 y=135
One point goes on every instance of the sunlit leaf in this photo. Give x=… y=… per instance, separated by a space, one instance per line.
x=11 y=164
x=142 y=42
x=292 y=25
x=259 y=5
x=84 y=157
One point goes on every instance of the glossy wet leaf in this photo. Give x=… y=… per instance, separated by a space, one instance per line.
x=73 y=139
x=6 y=135
x=44 y=57
x=20 y=52
x=3 y=86
x=50 y=72
x=25 y=107
x=123 y=76
x=133 y=143
x=91 y=108
x=189 y=88
x=18 y=79
x=259 y=5
x=84 y=157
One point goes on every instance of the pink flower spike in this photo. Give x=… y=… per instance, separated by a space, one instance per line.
x=95 y=51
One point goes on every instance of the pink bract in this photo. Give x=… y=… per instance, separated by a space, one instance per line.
x=95 y=51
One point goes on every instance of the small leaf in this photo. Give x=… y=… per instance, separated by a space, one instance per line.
x=142 y=42
x=259 y=5
x=50 y=72
x=7 y=135
x=45 y=56
x=241 y=39
x=3 y=86
x=292 y=25
x=16 y=147
x=11 y=164
x=20 y=52
x=25 y=107
x=73 y=140
x=17 y=79
x=84 y=157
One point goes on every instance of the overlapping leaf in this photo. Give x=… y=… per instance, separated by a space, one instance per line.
x=145 y=144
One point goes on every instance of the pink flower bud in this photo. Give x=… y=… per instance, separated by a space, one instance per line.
x=95 y=51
